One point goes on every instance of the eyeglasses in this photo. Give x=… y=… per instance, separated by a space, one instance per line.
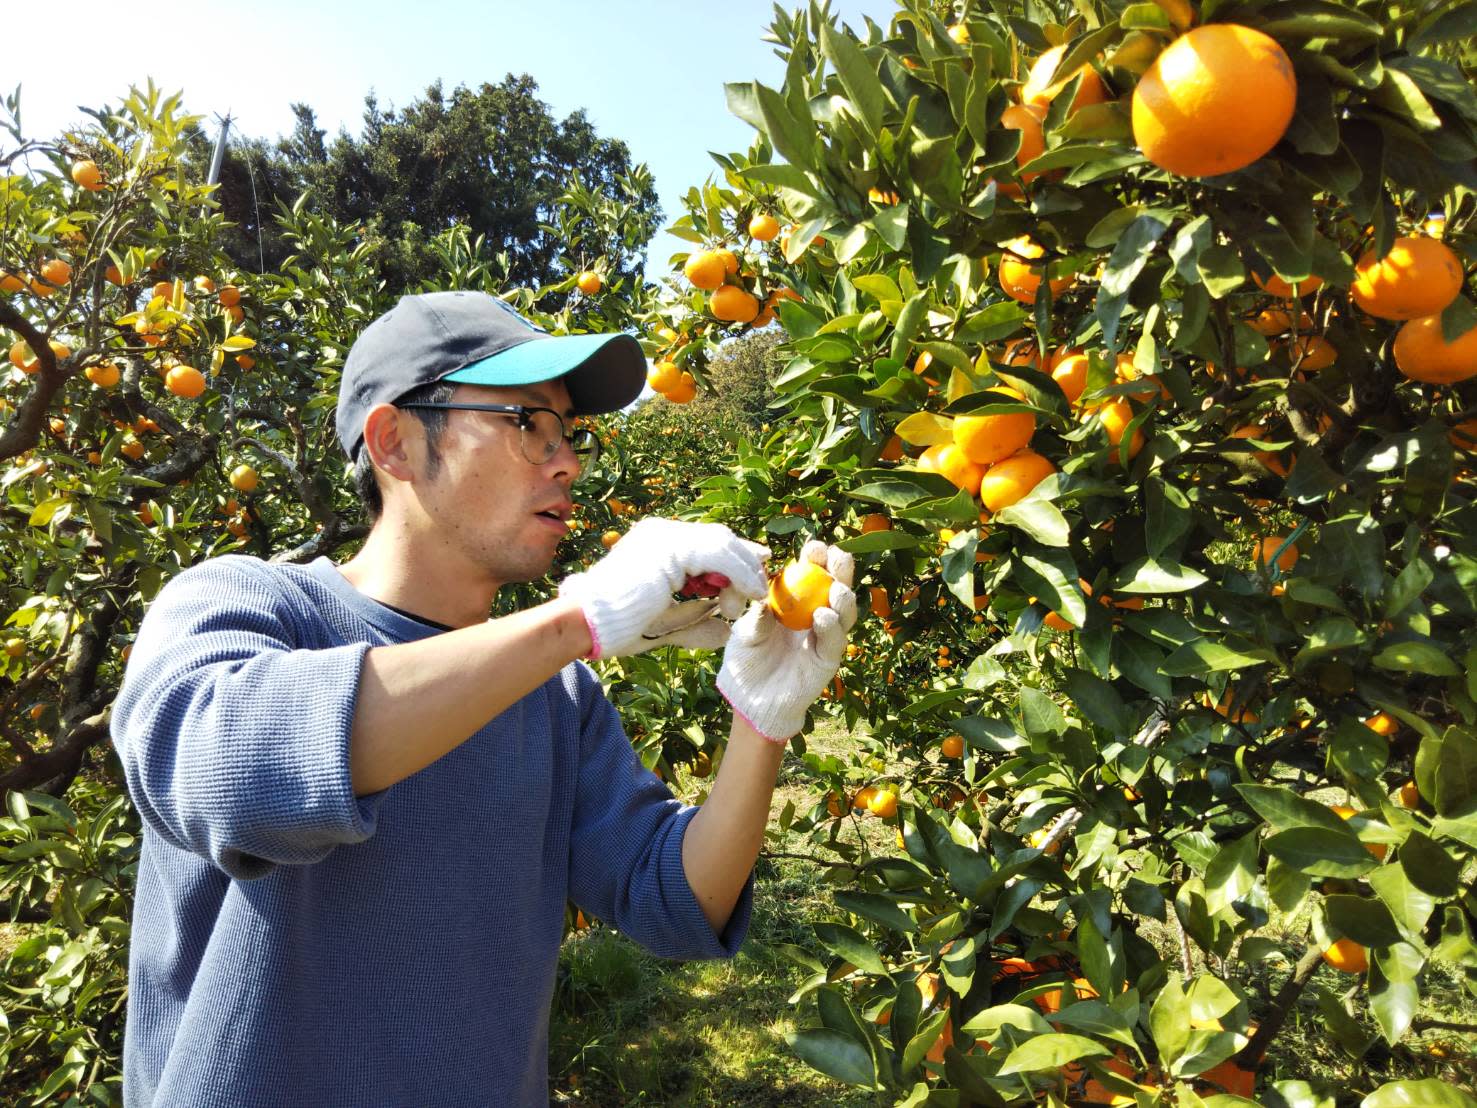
x=541 y=430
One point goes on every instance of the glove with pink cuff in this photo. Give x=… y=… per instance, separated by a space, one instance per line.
x=627 y=596
x=771 y=674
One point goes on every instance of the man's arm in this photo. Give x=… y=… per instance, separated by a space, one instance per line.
x=723 y=839
x=420 y=700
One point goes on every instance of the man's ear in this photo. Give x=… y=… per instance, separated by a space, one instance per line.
x=393 y=440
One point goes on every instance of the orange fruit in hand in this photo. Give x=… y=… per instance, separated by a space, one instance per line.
x=952 y=747
x=1009 y=480
x=764 y=227
x=1037 y=91
x=1348 y=956
x=1020 y=280
x=985 y=439
x=705 y=270
x=589 y=282
x=733 y=305
x=1423 y=354
x=1214 y=101
x=1419 y=276
x=186 y=381
x=797 y=591
x=947 y=459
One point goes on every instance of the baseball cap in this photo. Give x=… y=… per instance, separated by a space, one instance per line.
x=475 y=338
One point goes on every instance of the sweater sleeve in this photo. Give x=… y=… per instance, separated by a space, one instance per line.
x=234 y=741
x=626 y=846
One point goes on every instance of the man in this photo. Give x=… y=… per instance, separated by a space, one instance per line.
x=365 y=803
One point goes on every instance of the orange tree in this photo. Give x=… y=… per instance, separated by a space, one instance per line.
x=1129 y=351
x=162 y=407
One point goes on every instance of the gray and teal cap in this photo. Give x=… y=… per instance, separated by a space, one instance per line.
x=474 y=338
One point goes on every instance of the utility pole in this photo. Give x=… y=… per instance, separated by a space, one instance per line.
x=220 y=151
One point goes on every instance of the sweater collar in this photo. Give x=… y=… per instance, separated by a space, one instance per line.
x=399 y=625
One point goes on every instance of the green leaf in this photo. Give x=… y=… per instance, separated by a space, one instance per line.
x=1146 y=575
x=1221 y=270
x=1169 y=1020
x=858 y=77
x=1317 y=19
x=1428 y=866
x=1430 y=1093
x=1204 y=656
x=1417 y=657
x=1321 y=852
x=875 y=907
x=878 y=285
x=1394 y=994
x=1283 y=808
x=1409 y=907
x=850 y=945
x=1453 y=25
x=835 y=1055
x=1038 y=518
x=927 y=1035
x=1446 y=771
x=1401 y=96
x=1128 y=259
x=1359 y=918
x=793 y=139
x=1050 y=1052
x=1040 y=715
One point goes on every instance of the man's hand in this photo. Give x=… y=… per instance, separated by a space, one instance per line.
x=627 y=596
x=771 y=675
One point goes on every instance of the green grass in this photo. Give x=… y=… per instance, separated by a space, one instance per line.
x=632 y=1029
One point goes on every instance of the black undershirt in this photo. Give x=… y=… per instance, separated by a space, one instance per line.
x=419 y=619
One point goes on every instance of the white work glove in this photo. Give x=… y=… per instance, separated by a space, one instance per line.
x=627 y=596
x=771 y=674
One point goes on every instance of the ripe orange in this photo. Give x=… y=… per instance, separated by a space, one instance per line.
x=1071 y=374
x=589 y=282
x=1309 y=353
x=875 y=521
x=733 y=305
x=245 y=361
x=880 y=603
x=132 y=449
x=1037 y=91
x=730 y=261
x=664 y=376
x=892 y=450
x=1383 y=724
x=764 y=227
x=684 y=391
x=186 y=381
x=1419 y=276
x=952 y=747
x=1267 y=547
x=235 y=312
x=985 y=439
x=609 y=539
x=9 y=282
x=1348 y=956
x=705 y=270
x=883 y=803
x=104 y=376
x=229 y=296
x=797 y=591
x=1036 y=840
x=1026 y=118
x=959 y=33
x=1009 y=480
x=15 y=647
x=1410 y=795
x=1020 y=280
x=1278 y=287
x=1116 y=414
x=947 y=459
x=25 y=359
x=1422 y=354
x=244 y=478
x=1217 y=99
x=920 y=367
x=1343 y=811
x=87 y=174
x=204 y=284
x=55 y=271
x=1231 y=1078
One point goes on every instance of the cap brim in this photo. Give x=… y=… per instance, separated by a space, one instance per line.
x=602 y=372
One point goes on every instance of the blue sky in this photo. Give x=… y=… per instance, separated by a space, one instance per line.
x=649 y=72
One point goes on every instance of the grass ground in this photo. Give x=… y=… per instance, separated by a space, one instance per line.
x=631 y=1029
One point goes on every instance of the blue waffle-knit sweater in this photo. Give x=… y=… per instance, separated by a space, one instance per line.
x=296 y=945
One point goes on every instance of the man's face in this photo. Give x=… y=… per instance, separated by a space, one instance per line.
x=488 y=503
